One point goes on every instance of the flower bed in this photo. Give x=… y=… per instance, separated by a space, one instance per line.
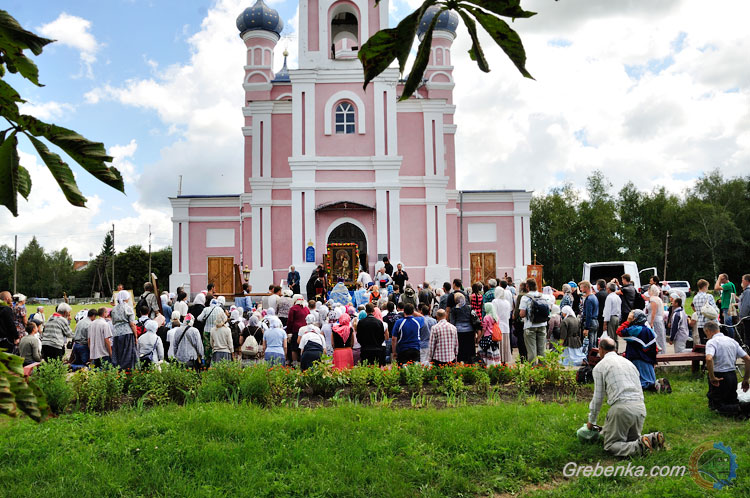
x=417 y=385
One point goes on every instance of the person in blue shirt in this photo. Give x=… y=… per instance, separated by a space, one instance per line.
x=293 y=279
x=405 y=342
x=640 y=347
x=590 y=314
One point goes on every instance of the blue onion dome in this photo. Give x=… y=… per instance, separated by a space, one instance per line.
x=283 y=75
x=260 y=17
x=448 y=21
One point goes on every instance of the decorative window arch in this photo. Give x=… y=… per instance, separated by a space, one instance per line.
x=332 y=103
x=344 y=114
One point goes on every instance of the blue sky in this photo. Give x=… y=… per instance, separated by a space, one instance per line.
x=653 y=93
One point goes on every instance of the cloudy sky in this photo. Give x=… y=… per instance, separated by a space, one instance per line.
x=656 y=92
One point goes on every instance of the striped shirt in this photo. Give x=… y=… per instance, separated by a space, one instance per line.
x=443 y=342
x=56 y=330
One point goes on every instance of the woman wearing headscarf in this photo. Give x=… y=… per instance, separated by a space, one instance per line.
x=19 y=314
x=274 y=342
x=251 y=339
x=236 y=326
x=655 y=309
x=461 y=316
x=188 y=347
x=283 y=305
x=343 y=340
x=327 y=330
x=640 y=346
x=222 y=345
x=297 y=319
x=503 y=311
x=181 y=304
x=489 y=350
x=199 y=303
x=124 y=341
x=340 y=294
x=150 y=345
x=571 y=338
x=312 y=343
x=567 y=299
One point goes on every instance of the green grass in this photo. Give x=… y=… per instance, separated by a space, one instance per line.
x=50 y=308
x=222 y=449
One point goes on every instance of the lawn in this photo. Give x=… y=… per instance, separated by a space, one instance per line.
x=224 y=449
x=50 y=308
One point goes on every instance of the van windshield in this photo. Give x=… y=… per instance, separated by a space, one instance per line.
x=607 y=272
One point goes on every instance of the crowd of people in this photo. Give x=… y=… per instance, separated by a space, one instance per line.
x=385 y=319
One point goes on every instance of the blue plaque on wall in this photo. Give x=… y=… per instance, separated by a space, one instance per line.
x=310 y=253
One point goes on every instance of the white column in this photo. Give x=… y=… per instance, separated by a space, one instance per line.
x=382 y=220
x=517 y=242
x=395 y=215
x=256 y=221
x=526 y=240
x=176 y=247
x=267 y=145
x=442 y=236
x=310 y=118
x=379 y=117
x=309 y=213
x=255 y=149
x=439 y=146
x=391 y=121
x=186 y=248
x=428 y=157
x=297 y=235
x=431 y=258
x=267 y=262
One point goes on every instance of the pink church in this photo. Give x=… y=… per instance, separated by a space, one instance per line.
x=328 y=162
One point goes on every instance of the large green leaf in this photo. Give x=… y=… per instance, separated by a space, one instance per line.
x=8 y=101
x=18 y=63
x=23 y=182
x=383 y=47
x=475 y=52
x=16 y=393
x=421 y=61
x=8 y=173
x=92 y=156
x=504 y=36
x=61 y=171
x=507 y=8
x=13 y=35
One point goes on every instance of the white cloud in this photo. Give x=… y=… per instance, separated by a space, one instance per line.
x=74 y=32
x=47 y=110
x=121 y=154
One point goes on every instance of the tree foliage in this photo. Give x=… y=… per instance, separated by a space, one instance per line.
x=14 y=178
x=705 y=228
x=18 y=394
x=391 y=44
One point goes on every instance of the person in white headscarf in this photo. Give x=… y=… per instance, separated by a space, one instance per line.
x=150 y=346
x=571 y=338
x=312 y=343
x=222 y=345
x=199 y=303
x=124 y=341
x=274 y=342
x=327 y=329
x=503 y=311
x=236 y=326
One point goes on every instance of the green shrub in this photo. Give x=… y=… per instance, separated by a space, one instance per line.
x=221 y=382
x=387 y=381
x=413 y=375
x=51 y=377
x=254 y=386
x=322 y=379
x=500 y=374
x=100 y=389
x=179 y=382
x=284 y=384
x=360 y=379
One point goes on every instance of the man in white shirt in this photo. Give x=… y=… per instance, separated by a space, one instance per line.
x=722 y=353
x=619 y=379
x=612 y=306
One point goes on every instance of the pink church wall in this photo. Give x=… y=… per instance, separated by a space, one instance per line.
x=366 y=197
x=282 y=194
x=488 y=206
x=504 y=246
x=414 y=235
x=199 y=253
x=281 y=241
x=325 y=219
x=342 y=144
x=412 y=192
x=281 y=150
x=214 y=211
x=411 y=145
x=280 y=89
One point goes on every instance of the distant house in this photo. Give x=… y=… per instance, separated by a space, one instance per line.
x=80 y=265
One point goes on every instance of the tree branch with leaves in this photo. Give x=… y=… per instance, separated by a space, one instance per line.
x=14 y=178
x=391 y=44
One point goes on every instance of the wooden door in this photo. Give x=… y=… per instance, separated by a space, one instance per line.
x=221 y=274
x=482 y=266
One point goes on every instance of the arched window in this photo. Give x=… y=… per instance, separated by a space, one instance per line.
x=345 y=118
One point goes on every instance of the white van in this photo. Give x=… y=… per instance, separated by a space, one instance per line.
x=614 y=269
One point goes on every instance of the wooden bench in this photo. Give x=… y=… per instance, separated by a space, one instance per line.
x=696 y=356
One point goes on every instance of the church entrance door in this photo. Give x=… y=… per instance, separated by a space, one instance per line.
x=348 y=233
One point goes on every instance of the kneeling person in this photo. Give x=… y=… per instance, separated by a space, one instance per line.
x=619 y=379
x=722 y=353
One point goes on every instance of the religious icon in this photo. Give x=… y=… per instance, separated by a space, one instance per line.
x=341 y=263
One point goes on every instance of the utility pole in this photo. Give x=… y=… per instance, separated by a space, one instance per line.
x=15 y=264
x=666 y=252
x=114 y=252
x=149 y=252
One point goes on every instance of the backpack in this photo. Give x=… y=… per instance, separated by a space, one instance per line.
x=143 y=302
x=250 y=348
x=234 y=327
x=140 y=328
x=539 y=310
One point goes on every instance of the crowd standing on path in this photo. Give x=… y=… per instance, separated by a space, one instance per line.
x=386 y=320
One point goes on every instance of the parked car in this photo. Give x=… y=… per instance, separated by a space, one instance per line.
x=682 y=285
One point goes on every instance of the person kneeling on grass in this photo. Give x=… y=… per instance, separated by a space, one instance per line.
x=620 y=380
x=721 y=354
